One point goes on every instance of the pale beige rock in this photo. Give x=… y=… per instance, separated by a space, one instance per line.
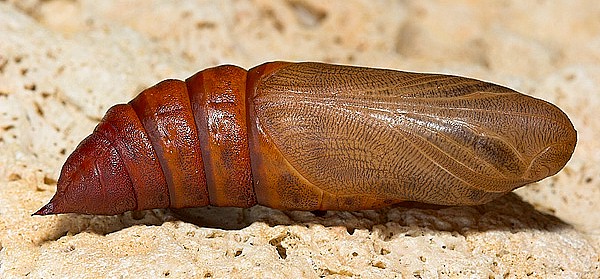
x=64 y=63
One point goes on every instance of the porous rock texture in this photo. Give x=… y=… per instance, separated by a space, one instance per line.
x=64 y=63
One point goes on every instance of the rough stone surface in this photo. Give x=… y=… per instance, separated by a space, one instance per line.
x=64 y=63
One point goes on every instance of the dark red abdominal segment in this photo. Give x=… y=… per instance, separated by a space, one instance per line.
x=94 y=180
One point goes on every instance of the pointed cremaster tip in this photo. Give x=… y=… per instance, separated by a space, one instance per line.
x=46 y=210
